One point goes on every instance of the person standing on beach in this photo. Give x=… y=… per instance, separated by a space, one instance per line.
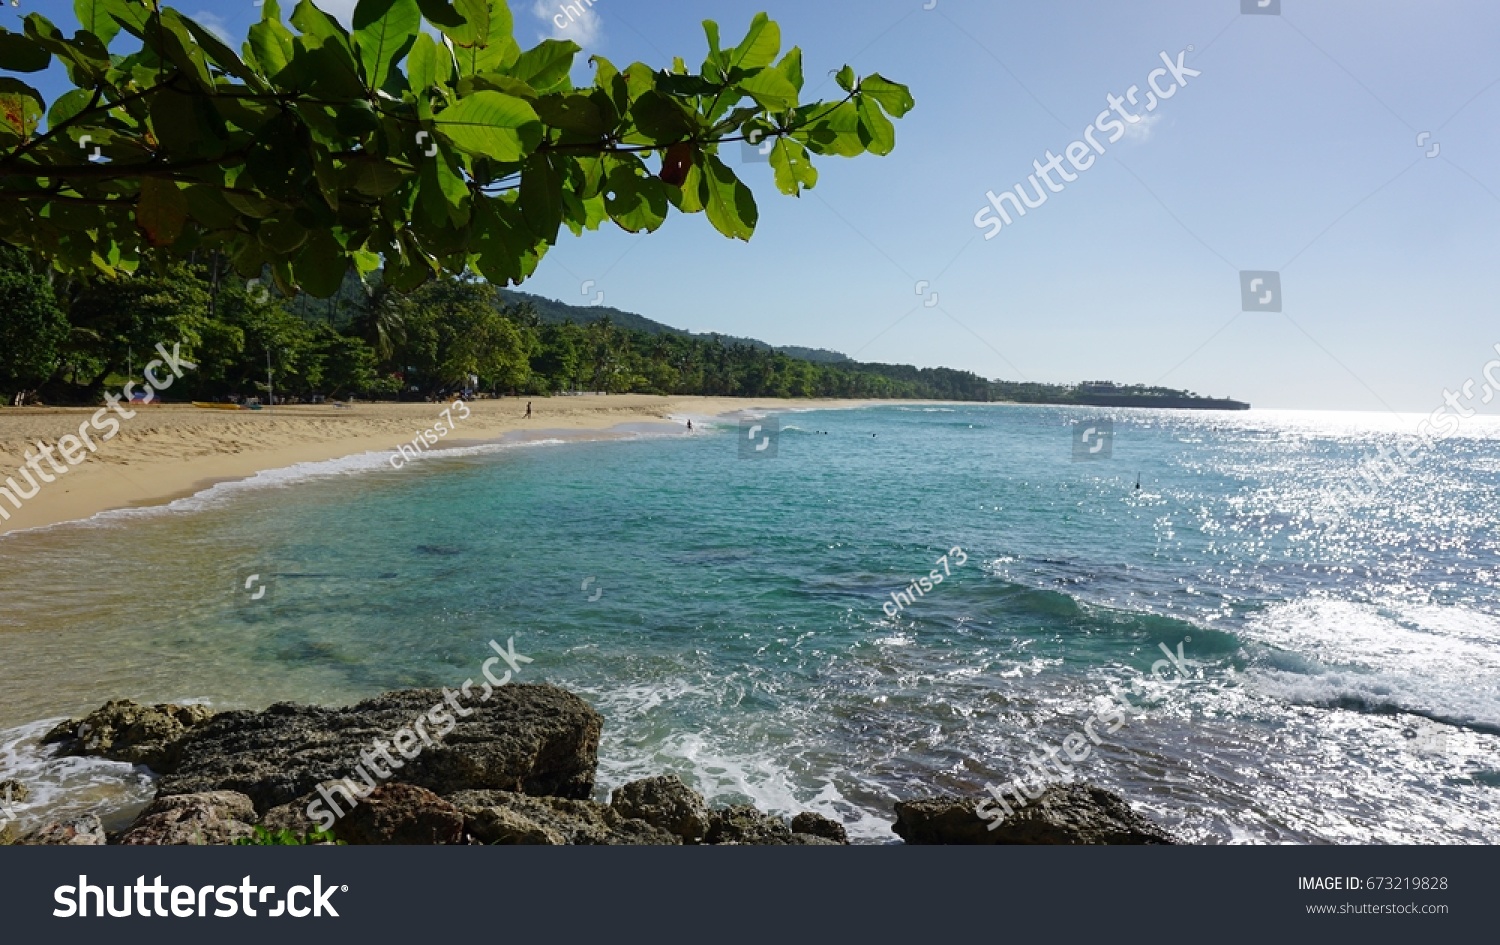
x=528 y=410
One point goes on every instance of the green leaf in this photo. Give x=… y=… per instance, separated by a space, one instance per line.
x=875 y=130
x=633 y=198
x=207 y=206
x=321 y=265
x=20 y=106
x=440 y=13
x=760 y=45
x=492 y=124
x=93 y=15
x=85 y=57
x=371 y=176
x=574 y=112
x=67 y=105
x=281 y=236
x=161 y=211
x=428 y=65
x=131 y=14
x=357 y=119
x=473 y=22
x=674 y=84
x=220 y=54
x=791 y=67
x=180 y=122
x=19 y=54
x=270 y=44
x=846 y=78
x=493 y=48
x=505 y=247
x=541 y=197
x=834 y=132
x=731 y=205
x=312 y=22
x=716 y=65
x=442 y=194
x=893 y=97
x=175 y=41
x=583 y=213
x=547 y=66
x=692 y=196
x=383 y=32
x=771 y=90
x=662 y=118
x=793 y=167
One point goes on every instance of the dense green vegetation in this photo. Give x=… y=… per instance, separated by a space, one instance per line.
x=71 y=340
x=376 y=342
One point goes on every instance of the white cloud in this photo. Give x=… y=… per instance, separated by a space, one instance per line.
x=217 y=25
x=1141 y=130
x=579 y=21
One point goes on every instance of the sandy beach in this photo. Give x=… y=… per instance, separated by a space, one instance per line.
x=169 y=451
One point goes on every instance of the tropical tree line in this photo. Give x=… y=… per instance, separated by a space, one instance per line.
x=68 y=341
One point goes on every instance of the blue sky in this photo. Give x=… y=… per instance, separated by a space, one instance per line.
x=1295 y=151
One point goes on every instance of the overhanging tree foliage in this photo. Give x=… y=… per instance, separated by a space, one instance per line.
x=316 y=148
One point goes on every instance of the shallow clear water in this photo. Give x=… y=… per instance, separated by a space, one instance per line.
x=1343 y=684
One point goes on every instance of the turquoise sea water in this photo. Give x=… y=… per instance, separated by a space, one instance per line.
x=1345 y=676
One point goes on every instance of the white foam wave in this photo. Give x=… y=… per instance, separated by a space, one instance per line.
x=65 y=786
x=1438 y=661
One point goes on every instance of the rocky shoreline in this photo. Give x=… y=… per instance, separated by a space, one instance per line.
x=518 y=770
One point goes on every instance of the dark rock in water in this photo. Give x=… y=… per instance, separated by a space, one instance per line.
x=127 y=731
x=1065 y=814
x=219 y=818
x=81 y=831
x=533 y=739
x=502 y=817
x=665 y=802
x=401 y=815
x=816 y=825
x=13 y=792
x=748 y=826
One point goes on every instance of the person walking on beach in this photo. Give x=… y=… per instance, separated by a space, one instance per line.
x=528 y=410
x=690 y=426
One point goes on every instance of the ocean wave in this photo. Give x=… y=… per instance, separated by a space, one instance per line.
x=1388 y=658
x=113 y=790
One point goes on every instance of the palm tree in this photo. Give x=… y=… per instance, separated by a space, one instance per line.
x=380 y=322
